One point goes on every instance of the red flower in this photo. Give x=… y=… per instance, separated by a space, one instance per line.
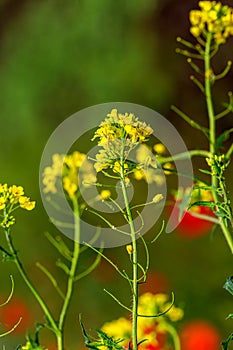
x=192 y=226
x=11 y=313
x=200 y=335
x=156 y=282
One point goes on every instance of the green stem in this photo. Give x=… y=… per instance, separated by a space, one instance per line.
x=52 y=322
x=229 y=152
x=212 y=135
x=72 y=271
x=134 y=260
x=174 y=335
x=184 y=155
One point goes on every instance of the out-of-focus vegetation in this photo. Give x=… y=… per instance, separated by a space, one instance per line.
x=58 y=57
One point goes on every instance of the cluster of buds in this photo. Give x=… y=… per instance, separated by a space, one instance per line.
x=218 y=163
x=67 y=168
x=118 y=135
x=11 y=198
x=213 y=17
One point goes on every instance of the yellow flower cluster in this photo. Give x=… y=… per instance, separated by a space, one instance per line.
x=67 y=168
x=122 y=126
x=120 y=328
x=11 y=198
x=148 y=327
x=213 y=17
x=118 y=135
x=104 y=161
x=146 y=169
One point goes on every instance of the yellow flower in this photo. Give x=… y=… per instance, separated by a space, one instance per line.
x=105 y=194
x=75 y=159
x=69 y=186
x=202 y=194
x=138 y=174
x=25 y=203
x=117 y=167
x=212 y=17
x=159 y=148
x=67 y=169
x=157 y=198
x=168 y=166
x=3 y=188
x=2 y=203
x=206 y=5
x=195 y=31
x=52 y=173
x=195 y=17
x=175 y=313
x=120 y=328
x=118 y=125
x=17 y=191
x=12 y=197
x=129 y=248
x=118 y=135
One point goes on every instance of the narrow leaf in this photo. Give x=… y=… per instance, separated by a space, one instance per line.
x=51 y=278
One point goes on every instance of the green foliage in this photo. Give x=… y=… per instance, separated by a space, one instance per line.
x=102 y=340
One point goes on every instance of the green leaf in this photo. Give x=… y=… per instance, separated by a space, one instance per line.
x=86 y=338
x=226 y=343
x=60 y=245
x=202 y=204
x=222 y=138
x=206 y=187
x=184 y=204
x=205 y=171
x=104 y=340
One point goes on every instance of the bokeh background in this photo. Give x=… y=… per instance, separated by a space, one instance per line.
x=56 y=58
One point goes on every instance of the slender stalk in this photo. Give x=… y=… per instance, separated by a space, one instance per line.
x=184 y=155
x=212 y=134
x=72 y=271
x=229 y=152
x=52 y=322
x=174 y=335
x=134 y=260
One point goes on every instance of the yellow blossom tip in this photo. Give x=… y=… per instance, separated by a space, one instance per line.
x=105 y=194
x=129 y=248
x=159 y=148
x=189 y=60
x=157 y=198
x=178 y=39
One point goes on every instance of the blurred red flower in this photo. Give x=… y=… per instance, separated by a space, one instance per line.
x=192 y=226
x=156 y=282
x=11 y=313
x=200 y=335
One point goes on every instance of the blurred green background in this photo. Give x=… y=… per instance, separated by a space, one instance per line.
x=58 y=57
